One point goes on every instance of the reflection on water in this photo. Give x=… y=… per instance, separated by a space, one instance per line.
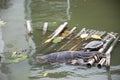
x=49 y=10
x=70 y=72
x=52 y=11
x=4 y=72
x=4 y=4
x=28 y=9
x=31 y=44
x=63 y=72
x=109 y=75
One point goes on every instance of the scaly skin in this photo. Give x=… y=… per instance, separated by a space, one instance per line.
x=67 y=56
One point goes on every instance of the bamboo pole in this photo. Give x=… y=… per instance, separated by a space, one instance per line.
x=53 y=45
x=108 y=52
x=71 y=31
x=77 y=35
x=52 y=34
x=108 y=40
x=103 y=60
x=75 y=47
x=90 y=63
x=99 y=33
x=101 y=63
x=91 y=33
x=29 y=28
x=45 y=28
x=102 y=33
x=58 y=29
x=108 y=75
x=56 y=32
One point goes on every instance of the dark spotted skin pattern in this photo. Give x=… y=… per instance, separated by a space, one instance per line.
x=67 y=56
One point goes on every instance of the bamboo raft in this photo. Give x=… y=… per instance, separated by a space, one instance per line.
x=77 y=41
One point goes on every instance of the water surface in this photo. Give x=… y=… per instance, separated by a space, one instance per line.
x=92 y=14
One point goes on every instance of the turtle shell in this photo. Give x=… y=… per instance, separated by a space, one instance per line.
x=94 y=45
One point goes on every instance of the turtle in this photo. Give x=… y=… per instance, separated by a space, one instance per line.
x=94 y=45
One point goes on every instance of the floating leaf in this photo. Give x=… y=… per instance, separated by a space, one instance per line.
x=57 y=40
x=48 y=40
x=17 y=59
x=14 y=54
x=45 y=74
x=2 y=23
x=95 y=36
x=54 y=22
x=84 y=35
x=65 y=33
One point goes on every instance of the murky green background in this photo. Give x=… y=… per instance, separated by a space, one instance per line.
x=92 y=14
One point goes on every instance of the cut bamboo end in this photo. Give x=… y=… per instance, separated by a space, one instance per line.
x=90 y=63
x=29 y=28
x=45 y=27
x=101 y=63
x=79 y=33
x=59 y=30
x=72 y=30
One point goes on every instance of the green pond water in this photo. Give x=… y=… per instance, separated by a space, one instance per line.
x=101 y=15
